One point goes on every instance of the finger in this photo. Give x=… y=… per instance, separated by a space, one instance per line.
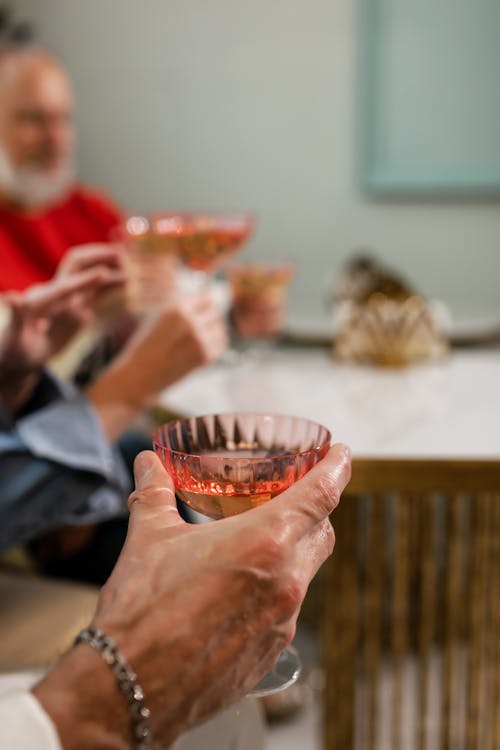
x=110 y=282
x=44 y=297
x=201 y=302
x=107 y=280
x=154 y=496
x=218 y=344
x=14 y=310
x=11 y=298
x=82 y=258
x=78 y=310
x=208 y=321
x=211 y=328
x=308 y=502
x=313 y=549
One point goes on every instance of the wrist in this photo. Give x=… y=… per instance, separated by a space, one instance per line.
x=82 y=698
x=116 y=399
x=126 y=679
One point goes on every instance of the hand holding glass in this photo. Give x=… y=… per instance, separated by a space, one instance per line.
x=225 y=464
x=150 y=262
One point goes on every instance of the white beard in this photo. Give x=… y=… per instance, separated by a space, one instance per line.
x=30 y=187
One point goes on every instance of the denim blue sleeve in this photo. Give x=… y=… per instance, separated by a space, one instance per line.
x=57 y=468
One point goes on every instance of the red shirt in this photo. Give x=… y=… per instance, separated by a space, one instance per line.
x=33 y=243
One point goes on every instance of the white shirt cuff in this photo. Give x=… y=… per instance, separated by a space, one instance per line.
x=25 y=725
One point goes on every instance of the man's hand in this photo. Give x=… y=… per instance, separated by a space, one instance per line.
x=112 y=303
x=200 y=611
x=86 y=257
x=186 y=334
x=45 y=317
x=41 y=321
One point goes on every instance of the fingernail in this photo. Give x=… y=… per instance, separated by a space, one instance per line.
x=142 y=467
x=347 y=452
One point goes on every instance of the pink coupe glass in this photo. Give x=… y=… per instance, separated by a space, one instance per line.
x=225 y=464
x=202 y=241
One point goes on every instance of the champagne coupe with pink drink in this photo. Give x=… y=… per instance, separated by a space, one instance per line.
x=258 y=292
x=225 y=464
x=203 y=241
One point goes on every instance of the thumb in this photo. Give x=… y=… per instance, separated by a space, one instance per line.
x=153 y=498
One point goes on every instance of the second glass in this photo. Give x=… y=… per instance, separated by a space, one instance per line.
x=259 y=297
x=202 y=241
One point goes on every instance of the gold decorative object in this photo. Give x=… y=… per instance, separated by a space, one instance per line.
x=388 y=331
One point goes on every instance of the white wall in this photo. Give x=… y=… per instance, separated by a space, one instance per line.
x=250 y=104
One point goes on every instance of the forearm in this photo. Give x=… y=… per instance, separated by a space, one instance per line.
x=115 y=399
x=163 y=350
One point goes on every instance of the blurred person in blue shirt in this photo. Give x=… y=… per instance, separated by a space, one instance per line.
x=60 y=465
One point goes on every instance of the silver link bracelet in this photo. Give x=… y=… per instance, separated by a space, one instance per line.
x=127 y=682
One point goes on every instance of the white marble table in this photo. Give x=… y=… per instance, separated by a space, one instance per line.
x=448 y=410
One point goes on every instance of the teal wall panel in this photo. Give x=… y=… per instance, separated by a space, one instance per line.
x=430 y=96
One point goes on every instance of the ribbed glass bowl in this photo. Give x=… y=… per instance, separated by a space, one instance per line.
x=224 y=464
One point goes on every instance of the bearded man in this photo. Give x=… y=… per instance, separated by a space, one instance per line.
x=44 y=211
